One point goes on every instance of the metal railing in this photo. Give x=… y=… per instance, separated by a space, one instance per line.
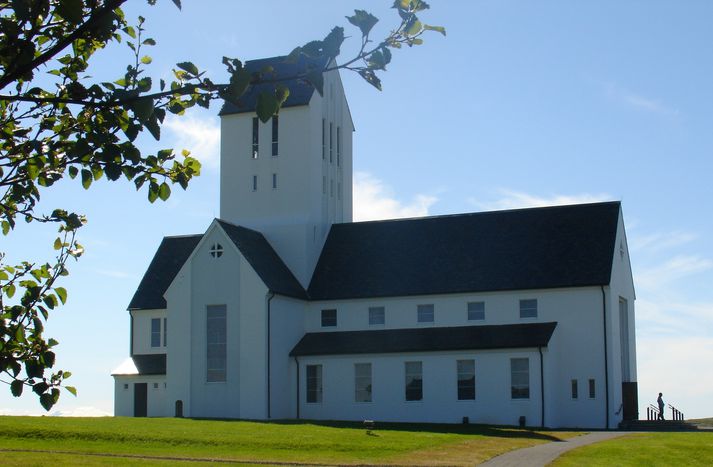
x=675 y=413
x=652 y=413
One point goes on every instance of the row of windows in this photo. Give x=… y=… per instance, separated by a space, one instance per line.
x=575 y=389
x=274 y=182
x=256 y=137
x=331 y=142
x=331 y=187
x=159 y=336
x=426 y=313
x=413 y=381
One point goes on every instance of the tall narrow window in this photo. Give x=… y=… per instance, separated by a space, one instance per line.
x=324 y=138
x=520 y=378
x=329 y=318
x=314 y=383
x=275 y=132
x=216 y=343
x=156 y=332
x=466 y=380
x=256 y=139
x=274 y=181
x=528 y=308
x=331 y=142
x=165 y=331
x=339 y=144
x=476 y=311
x=377 y=315
x=424 y=313
x=592 y=389
x=414 y=381
x=362 y=382
x=324 y=184
x=575 y=389
x=254 y=182
x=331 y=188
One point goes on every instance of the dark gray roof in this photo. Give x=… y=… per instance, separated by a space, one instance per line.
x=300 y=90
x=509 y=336
x=153 y=364
x=562 y=246
x=267 y=264
x=170 y=256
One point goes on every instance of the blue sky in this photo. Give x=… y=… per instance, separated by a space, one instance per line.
x=522 y=104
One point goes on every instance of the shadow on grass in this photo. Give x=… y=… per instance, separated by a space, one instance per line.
x=500 y=431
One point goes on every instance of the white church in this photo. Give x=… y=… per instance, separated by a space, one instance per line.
x=286 y=309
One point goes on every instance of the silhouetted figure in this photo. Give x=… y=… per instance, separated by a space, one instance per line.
x=661 y=406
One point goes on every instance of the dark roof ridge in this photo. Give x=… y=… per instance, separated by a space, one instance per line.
x=476 y=213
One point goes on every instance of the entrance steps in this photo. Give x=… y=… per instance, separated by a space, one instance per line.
x=657 y=425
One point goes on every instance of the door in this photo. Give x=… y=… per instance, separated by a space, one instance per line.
x=630 y=399
x=140 y=399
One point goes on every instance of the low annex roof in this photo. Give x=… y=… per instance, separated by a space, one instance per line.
x=562 y=246
x=300 y=89
x=509 y=336
x=174 y=251
x=144 y=364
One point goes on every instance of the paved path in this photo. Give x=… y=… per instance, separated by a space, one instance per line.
x=543 y=454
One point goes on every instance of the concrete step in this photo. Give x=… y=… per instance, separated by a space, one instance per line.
x=657 y=425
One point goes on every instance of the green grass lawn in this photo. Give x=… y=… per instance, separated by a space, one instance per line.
x=66 y=440
x=645 y=449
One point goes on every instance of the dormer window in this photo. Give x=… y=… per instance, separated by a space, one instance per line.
x=216 y=251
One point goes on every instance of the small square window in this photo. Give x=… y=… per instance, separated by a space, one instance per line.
x=476 y=311
x=329 y=318
x=377 y=315
x=155 y=385
x=126 y=386
x=425 y=314
x=528 y=308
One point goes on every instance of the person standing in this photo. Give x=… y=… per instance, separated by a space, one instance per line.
x=661 y=406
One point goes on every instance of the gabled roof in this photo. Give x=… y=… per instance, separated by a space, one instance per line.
x=173 y=252
x=300 y=90
x=267 y=264
x=536 y=248
x=170 y=256
x=509 y=336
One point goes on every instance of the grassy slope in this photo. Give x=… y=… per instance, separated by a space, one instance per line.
x=645 y=449
x=282 y=442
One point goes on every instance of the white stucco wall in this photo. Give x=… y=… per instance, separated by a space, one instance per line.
x=156 y=396
x=287 y=328
x=142 y=331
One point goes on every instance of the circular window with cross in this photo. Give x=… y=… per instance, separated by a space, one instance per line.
x=216 y=251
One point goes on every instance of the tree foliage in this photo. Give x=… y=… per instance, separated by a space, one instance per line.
x=57 y=122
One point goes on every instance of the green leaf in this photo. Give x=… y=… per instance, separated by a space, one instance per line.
x=73 y=171
x=71 y=10
x=57 y=243
x=47 y=401
x=143 y=108
x=51 y=342
x=267 y=105
x=62 y=294
x=371 y=78
x=16 y=387
x=149 y=41
x=333 y=41
x=153 y=192
x=86 y=179
x=164 y=191
x=152 y=125
x=363 y=20
x=440 y=29
x=146 y=60
x=188 y=67
x=414 y=28
x=9 y=290
x=72 y=390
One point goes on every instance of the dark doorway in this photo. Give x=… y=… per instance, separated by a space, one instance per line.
x=140 y=399
x=630 y=396
x=179 y=408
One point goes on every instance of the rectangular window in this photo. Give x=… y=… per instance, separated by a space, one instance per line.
x=476 y=311
x=528 y=308
x=324 y=138
x=156 y=332
x=275 y=131
x=331 y=188
x=362 y=382
x=466 y=380
x=256 y=140
x=414 y=381
x=424 y=313
x=377 y=315
x=331 y=142
x=324 y=184
x=575 y=389
x=520 y=378
x=592 y=388
x=274 y=181
x=216 y=343
x=165 y=332
x=329 y=318
x=254 y=182
x=339 y=145
x=314 y=384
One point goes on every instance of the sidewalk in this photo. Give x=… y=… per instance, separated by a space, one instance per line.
x=543 y=454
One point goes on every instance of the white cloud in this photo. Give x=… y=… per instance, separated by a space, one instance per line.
x=639 y=102
x=86 y=411
x=113 y=273
x=661 y=276
x=511 y=199
x=201 y=136
x=660 y=241
x=375 y=200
